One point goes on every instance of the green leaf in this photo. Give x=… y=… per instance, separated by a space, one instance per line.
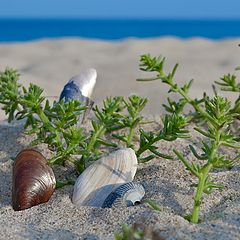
x=146 y=159
x=228 y=83
x=152 y=204
x=200 y=157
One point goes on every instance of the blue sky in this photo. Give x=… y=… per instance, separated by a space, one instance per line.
x=121 y=8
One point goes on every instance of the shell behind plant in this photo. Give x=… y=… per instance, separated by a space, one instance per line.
x=33 y=180
x=128 y=194
x=102 y=177
x=81 y=86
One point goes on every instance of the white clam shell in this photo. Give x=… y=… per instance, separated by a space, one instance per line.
x=101 y=178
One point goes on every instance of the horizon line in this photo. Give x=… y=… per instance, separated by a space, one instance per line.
x=121 y=18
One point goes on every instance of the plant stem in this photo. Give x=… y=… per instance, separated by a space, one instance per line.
x=89 y=148
x=186 y=163
x=100 y=131
x=145 y=147
x=44 y=119
x=200 y=188
x=47 y=122
x=192 y=102
x=203 y=177
x=130 y=136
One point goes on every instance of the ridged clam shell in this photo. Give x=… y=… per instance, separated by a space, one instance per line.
x=33 y=180
x=102 y=177
x=128 y=194
x=81 y=86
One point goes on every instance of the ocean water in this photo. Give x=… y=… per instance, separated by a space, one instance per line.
x=12 y=30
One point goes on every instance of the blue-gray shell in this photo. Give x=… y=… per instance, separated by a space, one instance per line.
x=127 y=194
x=72 y=92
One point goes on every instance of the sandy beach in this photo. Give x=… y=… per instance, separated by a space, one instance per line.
x=50 y=64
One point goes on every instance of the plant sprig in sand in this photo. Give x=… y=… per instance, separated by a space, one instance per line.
x=218 y=117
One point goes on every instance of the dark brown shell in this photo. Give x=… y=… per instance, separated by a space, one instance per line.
x=33 y=180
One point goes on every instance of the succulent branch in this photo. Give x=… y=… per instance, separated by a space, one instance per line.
x=218 y=117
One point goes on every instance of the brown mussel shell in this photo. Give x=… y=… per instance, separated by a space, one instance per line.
x=33 y=180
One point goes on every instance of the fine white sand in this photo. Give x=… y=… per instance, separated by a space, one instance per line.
x=50 y=64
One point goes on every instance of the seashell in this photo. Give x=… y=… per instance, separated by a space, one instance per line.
x=33 y=180
x=128 y=194
x=80 y=87
x=102 y=177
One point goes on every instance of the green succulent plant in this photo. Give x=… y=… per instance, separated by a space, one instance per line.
x=217 y=114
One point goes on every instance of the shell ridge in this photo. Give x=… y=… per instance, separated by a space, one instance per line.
x=33 y=181
x=120 y=194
